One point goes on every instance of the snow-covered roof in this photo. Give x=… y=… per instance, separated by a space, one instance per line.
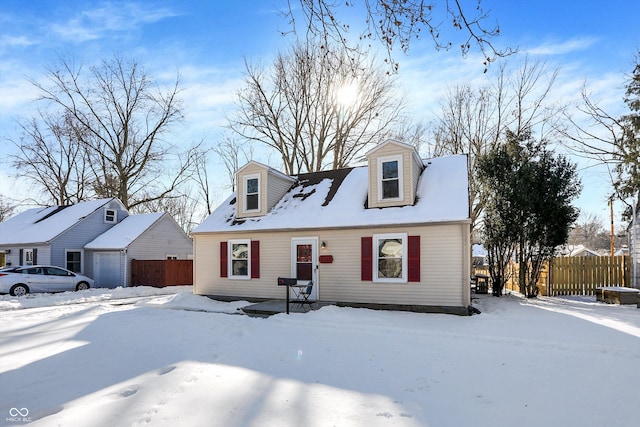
x=122 y=234
x=268 y=169
x=41 y=225
x=338 y=199
x=577 y=250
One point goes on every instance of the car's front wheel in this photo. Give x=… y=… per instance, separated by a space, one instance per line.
x=82 y=286
x=19 y=290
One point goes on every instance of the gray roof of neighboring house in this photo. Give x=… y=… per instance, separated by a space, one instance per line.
x=42 y=225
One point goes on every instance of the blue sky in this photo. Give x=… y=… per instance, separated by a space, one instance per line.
x=208 y=41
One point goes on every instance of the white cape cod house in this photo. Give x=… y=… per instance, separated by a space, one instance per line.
x=392 y=234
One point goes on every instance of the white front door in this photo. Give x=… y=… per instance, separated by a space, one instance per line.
x=106 y=269
x=304 y=262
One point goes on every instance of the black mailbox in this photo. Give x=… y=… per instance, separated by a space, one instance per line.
x=287 y=281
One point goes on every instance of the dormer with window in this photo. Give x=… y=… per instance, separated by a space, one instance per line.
x=110 y=216
x=394 y=171
x=259 y=189
x=113 y=212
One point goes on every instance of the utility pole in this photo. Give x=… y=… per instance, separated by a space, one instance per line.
x=613 y=236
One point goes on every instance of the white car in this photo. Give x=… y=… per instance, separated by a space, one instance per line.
x=19 y=281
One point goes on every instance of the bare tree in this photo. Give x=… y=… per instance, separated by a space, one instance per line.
x=591 y=232
x=396 y=24
x=317 y=111
x=53 y=159
x=598 y=135
x=182 y=207
x=474 y=121
x=122 y=118
x=232 y=153
x=6 y=209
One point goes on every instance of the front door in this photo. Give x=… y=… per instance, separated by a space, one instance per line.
x=304 y=263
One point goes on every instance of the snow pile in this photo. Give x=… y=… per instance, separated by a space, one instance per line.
x=8 y=302
x=179 y=359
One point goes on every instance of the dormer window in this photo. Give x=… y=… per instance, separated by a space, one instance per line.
x=259 y=189
x=110 y=216
x=252 y=193
x=390 y=178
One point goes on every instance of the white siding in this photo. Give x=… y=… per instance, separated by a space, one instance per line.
x=43 y=255
x=410 y=175
x=444 y=267
x=163 y=238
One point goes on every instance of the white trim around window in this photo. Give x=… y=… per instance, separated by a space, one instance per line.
x=27 y=257
x=110 y=216
x=390 y=257
x=386 y=179
x=79 y=262
x=239 y=259
x=251 y=189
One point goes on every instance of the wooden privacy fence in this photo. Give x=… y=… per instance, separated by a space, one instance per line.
x=161 y=273
x=576 y=275
x=582 y=275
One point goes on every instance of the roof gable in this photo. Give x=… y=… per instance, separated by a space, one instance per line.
x=121 y=235
x=269 y=169
x=338 y=199
x=396 y=144
x=42 y=225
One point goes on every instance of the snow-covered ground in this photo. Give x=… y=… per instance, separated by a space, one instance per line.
x=164 y=357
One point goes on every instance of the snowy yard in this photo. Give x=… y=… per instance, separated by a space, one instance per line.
x=130 y=357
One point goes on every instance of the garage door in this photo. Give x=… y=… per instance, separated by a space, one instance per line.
x=106 y=267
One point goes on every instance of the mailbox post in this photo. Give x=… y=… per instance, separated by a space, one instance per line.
x=287 y=282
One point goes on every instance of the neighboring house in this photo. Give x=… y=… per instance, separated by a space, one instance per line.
x=147 y=236
x=480 y=256
x=392 y=234
x=87 y=238
x=56 y=235
x=577 y=250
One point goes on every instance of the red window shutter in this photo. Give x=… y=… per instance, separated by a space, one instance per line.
x=224 y=260
x=366 y=267
x=255 y=259
x=414 y=259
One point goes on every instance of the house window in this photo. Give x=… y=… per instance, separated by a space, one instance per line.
x=110 y=216
x=239 y=257
x=252 y=193
x=74 y=261
x=28 y=257
x=390 y=178
x=229 y=254
x=390 y=257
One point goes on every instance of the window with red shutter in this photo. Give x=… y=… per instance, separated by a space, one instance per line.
x=224 y=260
x=255 y=259
x=366 y=267
x=414 y=259
x=390 y=260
